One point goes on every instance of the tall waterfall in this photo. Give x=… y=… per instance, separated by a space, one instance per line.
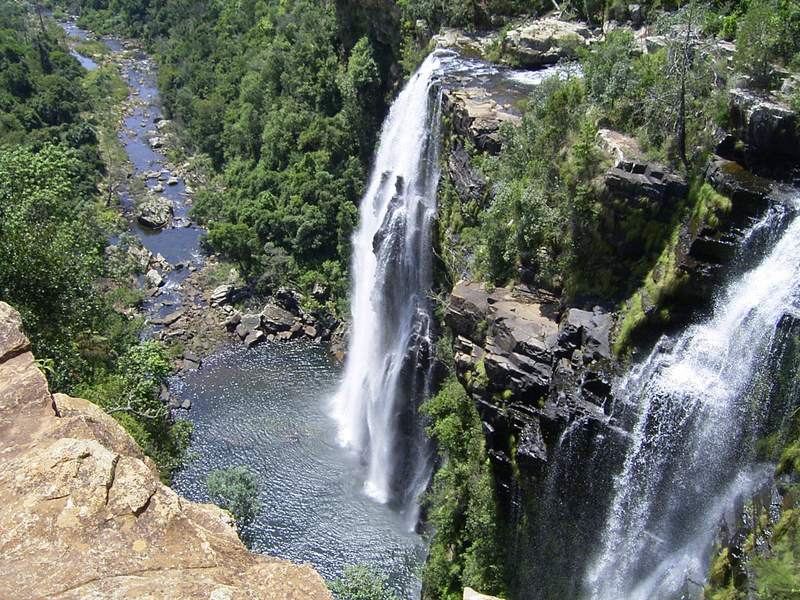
x=389 y=359
x=699 y=403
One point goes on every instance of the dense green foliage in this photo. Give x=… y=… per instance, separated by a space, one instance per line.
x=235 y=489
x=360 y=583
x=466 y=549
x=286 y=99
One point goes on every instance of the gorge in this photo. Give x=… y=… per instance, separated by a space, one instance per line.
x=483 y=297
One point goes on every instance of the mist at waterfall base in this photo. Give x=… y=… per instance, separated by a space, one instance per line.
x=265 y=408
x=631 y=510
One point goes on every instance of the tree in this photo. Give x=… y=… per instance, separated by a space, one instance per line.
x=235 y=489
x=675 y=106
x=144 y=368
x=757 y=41
x=360 y=583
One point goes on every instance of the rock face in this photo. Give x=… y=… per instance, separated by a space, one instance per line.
x=638 y=179
x=84 y=514
x=477 y=116
x=767 y=127
x=532 y=368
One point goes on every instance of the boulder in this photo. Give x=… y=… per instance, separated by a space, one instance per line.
x=221 y=295
x=544 y=42
x=320 y=292
x=288 y=300
x=276 y=319
x=232 y=320
x=254 y=337
x=191 y=361
x=155 y=212
x=169 y=319
x=248 y=324
x=153 y=279
x=75 y=488
x=157 y=142
x=470 y=594
x=620 y=147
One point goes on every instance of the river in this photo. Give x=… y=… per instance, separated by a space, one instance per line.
x=266 y=407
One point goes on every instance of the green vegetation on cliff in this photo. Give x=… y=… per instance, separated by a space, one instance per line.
x=466 y=549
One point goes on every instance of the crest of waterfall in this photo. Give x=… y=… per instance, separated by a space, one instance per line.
x=389 y=359
x=699 y=406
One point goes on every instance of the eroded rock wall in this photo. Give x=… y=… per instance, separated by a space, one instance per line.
x=84 y=514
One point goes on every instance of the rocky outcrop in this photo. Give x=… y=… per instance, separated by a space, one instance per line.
x=749 y=193
x=544 y=42
x=84 y=514
x=634 y=180
x=532 y=367
x=767 y=127
x=282 y=319
x=469 y=184
x=477 y=116
x=470 y=594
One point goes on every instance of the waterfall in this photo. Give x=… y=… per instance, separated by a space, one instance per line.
x=700 y=404
x=389 y=359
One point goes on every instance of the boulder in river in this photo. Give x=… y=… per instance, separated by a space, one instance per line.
x=155 y=212
x=157 y=142
x=253 y=338
x=153 y=279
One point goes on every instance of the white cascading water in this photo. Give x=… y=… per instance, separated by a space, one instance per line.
x=697 y=410
x=387 y=372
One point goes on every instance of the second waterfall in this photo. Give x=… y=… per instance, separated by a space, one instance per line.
x=389 y=361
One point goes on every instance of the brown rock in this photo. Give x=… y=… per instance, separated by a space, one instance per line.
x=84 y=514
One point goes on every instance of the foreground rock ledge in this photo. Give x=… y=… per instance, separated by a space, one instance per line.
x=84 y=515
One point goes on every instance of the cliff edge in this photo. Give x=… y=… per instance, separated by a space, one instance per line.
x=84 y=514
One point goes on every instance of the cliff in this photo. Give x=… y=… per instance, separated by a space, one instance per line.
x=85 y=516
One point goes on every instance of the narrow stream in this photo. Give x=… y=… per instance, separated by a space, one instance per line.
x=266 y=407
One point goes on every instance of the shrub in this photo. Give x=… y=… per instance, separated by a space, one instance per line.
x=235 y=489
x=360 y=583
